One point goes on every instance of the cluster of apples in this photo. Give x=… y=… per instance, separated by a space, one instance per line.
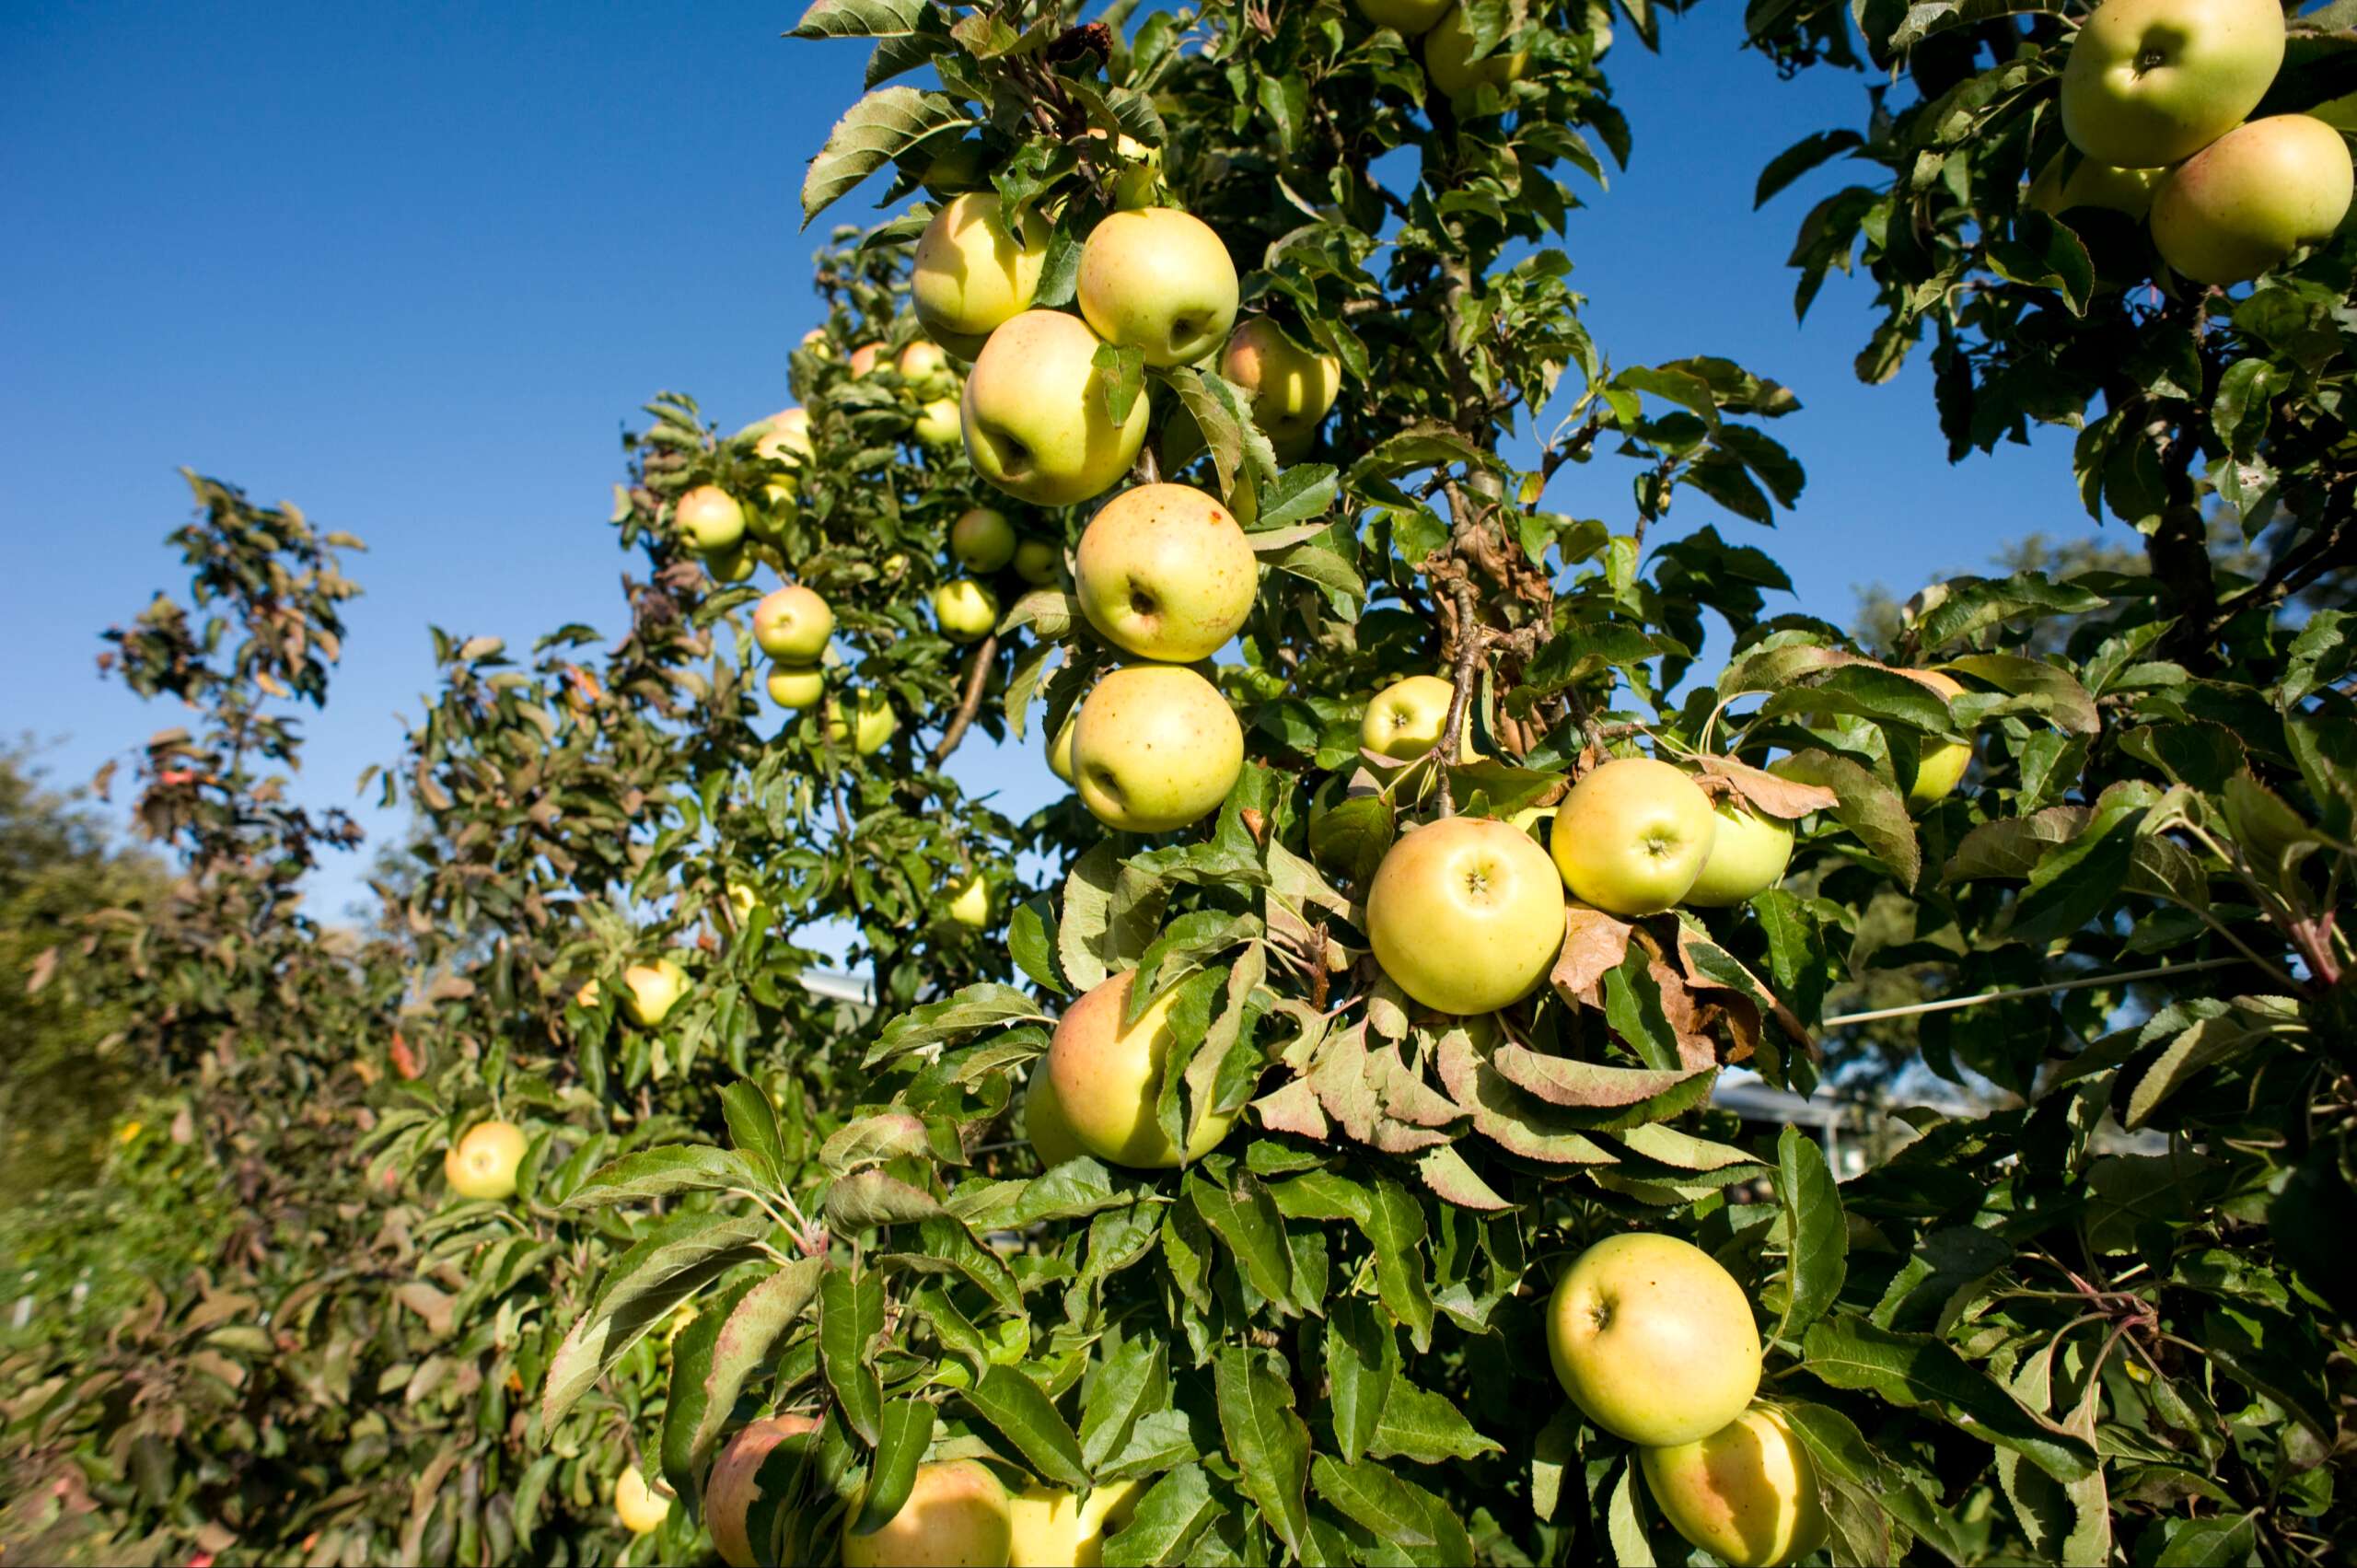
x=2156 y=93
x=1449 y=65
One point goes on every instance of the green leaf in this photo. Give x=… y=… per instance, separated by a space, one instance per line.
x=1867 y=805
x=1956 y=609
x=677 y=1258
x=1802 y=156
x=1268 y=1441
x=687 y=1402
x=851 y=1316
x=1917 y=1370
x=880 y=127
x=1024 y=1416
x=1817 y=1246
x=1130 y=1383
x=1625 y=1525
x=1245 y=1219
x=757 y=1323
x=907 y=1430
x=1846 y=1463
x=753 y=1129
x=1031 y=942
x=1170 y=1517
x=1372 y=1497
x=1362 y=1361
x=660 y=1173
x=859 y=18
x=1420 y=1426
x=870 y=1198
x=1395 y=1228
x=987 y=1006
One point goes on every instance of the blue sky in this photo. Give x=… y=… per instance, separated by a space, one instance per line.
x=414 y=267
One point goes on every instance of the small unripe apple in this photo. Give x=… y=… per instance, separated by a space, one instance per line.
x=1166 y=573
x=2244 y=203
x=709 y=518
x=871 y=714
x=981 y=538
x=2092 y=184
x=1055 y=1526
x=1748 y=853
x=1038 y=562
x=1158 y=279
x=972 y=271
x=1632 y=835
x=1450 y=65
x=969 y=906
x=1060 y=749
x=2150 y=82
x=1653 y=1340
x=1408 y=717
x=1406 y=17
x=956 y=1514
x=651 y=991
x=793 y=624
x=1044 y=1122
x=866 y=357
x=734 y=1485
x=816 y=342
x=734 y=564
x=1156 y=748
x=1466 y=915
x=1141 y=171
x=938 y=425
x=639 y=1507
x=483 y=1163
x=1035 y=416
x=1941 y=763
x=1107 y=1079
x=1291 y=387
x=1746 y=1493
x=926 y=368
x=966 y=610
x=796 y=686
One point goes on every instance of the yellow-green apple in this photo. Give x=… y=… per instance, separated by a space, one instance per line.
x=639 y=1507
x=972 y=271
x=796 y=686
x=1746 y=1493
x=1159 y=281
x=1406 y=17
x=868 y=356
x=1748 y=853
x=938 y=425
x=734 y=564
x=958 y=166
x=1941 y=763
x=1055 y=1529
x=1060 y=749
x=816 y=342
x=872 y=722
x=793 y=624
x=1406 y=718
x=709 y=518
x=1653 y=1340
x=587 y=996
x=957 y=1514
x=969 y=906
x=2150 y=82
x=734 y=1484
x=1165 y=572
x=1038 y=562
x=1155 y=747
x=2244 y=203
x=1450 y=65
x=926 y=368
x=1139 y=169
x=651 y=991
x=1291 y=387
x=1036 y=419
x=1465 y=915
x=981 y=538
x=2092 y=184
x=1044 y=1122
x=483 y=1164
x=1107 y=1079
x=1632 y=835
x=785 y=436
x=966 y=610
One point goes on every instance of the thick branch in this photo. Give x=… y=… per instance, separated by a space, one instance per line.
x=978 y=668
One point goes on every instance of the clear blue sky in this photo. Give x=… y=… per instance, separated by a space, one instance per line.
x=415 y=266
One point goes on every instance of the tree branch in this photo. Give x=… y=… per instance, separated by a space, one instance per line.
x=1470 y=638
x=978 y=668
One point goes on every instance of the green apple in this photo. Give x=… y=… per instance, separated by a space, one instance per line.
x=651 y=991
x=1165 y=572
x=968 y=611
x=1035 y=414
x=2244 y=203
x=1292 y=445
x=1748 y=853
x=1044 y=1122
x=1158 y=279
x=958 y=166
x=1450 y=65
x=641 y=1509
x=1746 y=1493
x=1139 y=170
x=969 y=906
x=972 y=271
x=1941 y=763
x=1406 y=17
x=938 y=424
x=734 y=564
x=957 y=1514
x=2092 y=184
x=872 y=716
x=1038 y=562
x=1060 y=749
x=796 y=686
x=1466 y=915
x=709 y=518
x=1054 y=1529
x=1106 y=1078
x=925 y=367
x=793 y=624
x=1653 y=1340
x=483 y=1164
x=1291 y=387
x=981 y=538
x=2150 y=82
x=734 y=1484
x=1632 y=835
x=1408 y=717
x=1155 y=747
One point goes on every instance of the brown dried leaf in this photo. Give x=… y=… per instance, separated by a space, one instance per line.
x=1558 y=1080
x=1764 y=792
x=1405 y=1095
x=1293 y=1108
x=1445 y=1172
x=1503 y=1114
x=1594 y=946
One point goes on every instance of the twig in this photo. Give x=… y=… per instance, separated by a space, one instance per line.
x=1469 y=641
x=977 y=667
x=1948 y=1003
